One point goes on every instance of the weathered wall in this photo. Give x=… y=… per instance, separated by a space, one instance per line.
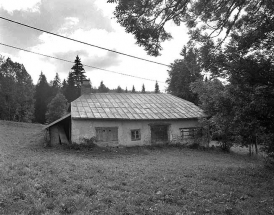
x=86 y=129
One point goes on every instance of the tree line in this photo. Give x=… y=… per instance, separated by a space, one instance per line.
x=45 y=102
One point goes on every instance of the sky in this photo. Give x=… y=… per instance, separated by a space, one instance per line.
x=89 y=21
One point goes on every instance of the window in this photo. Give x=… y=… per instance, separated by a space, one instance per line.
x=107 y=134
x=188 y=133
x=135 y=134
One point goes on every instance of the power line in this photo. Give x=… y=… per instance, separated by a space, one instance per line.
x=68 y=61
x=68 y=38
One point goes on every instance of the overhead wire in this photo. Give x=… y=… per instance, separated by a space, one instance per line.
x=96 y=46
x=68 y=61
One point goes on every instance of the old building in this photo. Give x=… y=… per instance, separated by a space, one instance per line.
x=128 y=119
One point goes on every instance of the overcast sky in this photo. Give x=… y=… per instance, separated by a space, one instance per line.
x=88 y=21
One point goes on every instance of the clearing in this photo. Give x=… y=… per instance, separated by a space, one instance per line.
x=38 y=180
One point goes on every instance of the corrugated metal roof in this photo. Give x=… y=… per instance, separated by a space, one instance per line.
x=134 y=106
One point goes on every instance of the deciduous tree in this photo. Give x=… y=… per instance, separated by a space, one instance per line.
x=56 y=108
x=146 y=20
x=182 y=73
x=16 y=92
x=102 y=88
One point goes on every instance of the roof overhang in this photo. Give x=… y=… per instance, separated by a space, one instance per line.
x=57 y=121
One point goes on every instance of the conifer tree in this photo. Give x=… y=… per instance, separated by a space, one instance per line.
x=71 y=91
x=143 y=89
x=64 y=86
x=56 y=81
x=126 y=90
x=133 y=89
x=41 y=99
x=157 y=88
x=55 y=86
x=78 y=72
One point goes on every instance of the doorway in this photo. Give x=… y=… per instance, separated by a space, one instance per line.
x=159 y=134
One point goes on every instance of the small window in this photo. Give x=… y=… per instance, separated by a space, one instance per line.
x=188 y=132
x=135 y=135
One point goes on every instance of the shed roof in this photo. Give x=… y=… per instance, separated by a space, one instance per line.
x=133 y=106
x=56 y=121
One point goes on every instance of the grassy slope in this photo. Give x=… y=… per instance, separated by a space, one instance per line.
x=34 y=180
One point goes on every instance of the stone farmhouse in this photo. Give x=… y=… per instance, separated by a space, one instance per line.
x=127 y=119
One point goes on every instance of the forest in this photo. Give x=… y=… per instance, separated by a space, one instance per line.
x=45 y=102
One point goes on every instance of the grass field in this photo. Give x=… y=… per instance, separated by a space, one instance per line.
x=38 y=180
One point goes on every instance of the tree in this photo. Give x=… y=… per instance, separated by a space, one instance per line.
x=119 y=89
x=71 y=92
x=182 y=73
x=102 y=88
x=133 y=89
x=217 y=103
x=157 y=88
x=56 y=108
x=78 y=73
x=56 y=84
x=42 y=98
x=64 y=86
x=126 y=90
x=146 y=20
x=143 y=89
x=16 y=92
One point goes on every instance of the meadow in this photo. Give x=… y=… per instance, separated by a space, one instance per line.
x=138 y=180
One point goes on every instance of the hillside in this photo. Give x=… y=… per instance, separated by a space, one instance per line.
x=38 y=180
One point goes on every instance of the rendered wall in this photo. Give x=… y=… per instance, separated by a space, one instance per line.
x=85 y=128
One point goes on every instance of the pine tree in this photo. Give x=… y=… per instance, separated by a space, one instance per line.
x=157 y=88
x=56 y=108
x=126 y=90
x=71 y=91
x=56 y=84
x=41 y=99
x=133 y=89
x=78 y=72
x=64 y=86
x=143 y=89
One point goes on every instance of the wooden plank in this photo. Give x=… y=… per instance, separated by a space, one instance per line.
x=62 y=135
x=54 y=136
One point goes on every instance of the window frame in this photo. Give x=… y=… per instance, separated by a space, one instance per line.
x=134 y=133
x=114 y=138
x=189 y=133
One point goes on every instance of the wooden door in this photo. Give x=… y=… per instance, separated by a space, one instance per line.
x=159 y=134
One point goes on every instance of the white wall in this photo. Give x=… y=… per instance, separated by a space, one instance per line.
x=85 y=128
